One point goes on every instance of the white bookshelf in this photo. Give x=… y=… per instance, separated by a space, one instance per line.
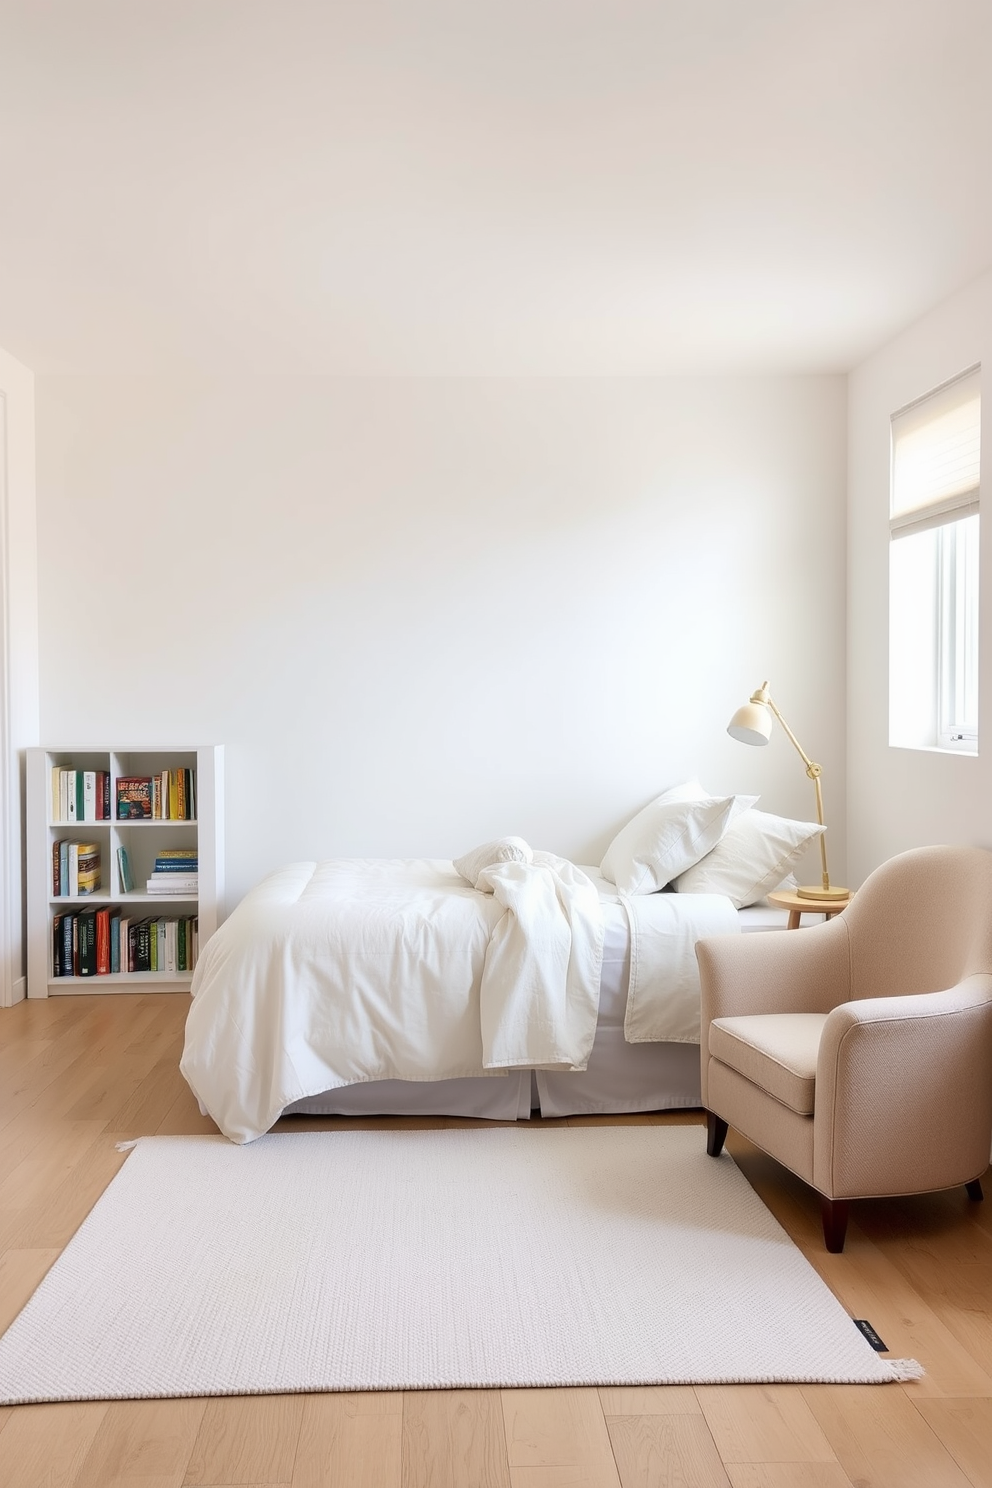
x=142 y=838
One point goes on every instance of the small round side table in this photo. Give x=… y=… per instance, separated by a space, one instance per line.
x=797 y=906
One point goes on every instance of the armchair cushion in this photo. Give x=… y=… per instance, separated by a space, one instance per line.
x=777 y=1052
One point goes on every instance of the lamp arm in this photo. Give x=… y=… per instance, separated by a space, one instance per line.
x=814 y=771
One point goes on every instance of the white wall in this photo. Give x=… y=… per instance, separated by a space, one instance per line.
x=421 y=613
x=901 y=798
x=18 y=655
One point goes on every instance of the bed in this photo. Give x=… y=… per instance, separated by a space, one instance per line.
x=291 y=1013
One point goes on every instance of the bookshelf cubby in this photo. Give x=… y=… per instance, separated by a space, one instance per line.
x=143 y=838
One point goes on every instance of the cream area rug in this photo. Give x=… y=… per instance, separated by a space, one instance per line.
x=428 y=1259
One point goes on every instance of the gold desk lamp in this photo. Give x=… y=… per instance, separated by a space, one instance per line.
x=752 y=724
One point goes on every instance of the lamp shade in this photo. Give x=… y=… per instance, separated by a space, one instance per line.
x=751 y=724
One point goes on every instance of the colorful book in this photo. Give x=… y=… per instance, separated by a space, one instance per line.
x=140 y=946
x=124 y=871
x=87 y=942
x=86 y=879
x=68 y=945
x=134 y=797
x=115 y=942
x=57 y=945
x=103 y=941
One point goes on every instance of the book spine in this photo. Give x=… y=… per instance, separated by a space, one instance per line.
x=63 y=811
x=115 y=943
x=89 y=795
x=56 y=794
x=56 y=869
x=73 y=869
x=143 y=946
x=70 y=795
x=87 y=943
x=57 y=946
x=68 y=944
x=103 y=942
x=75 y=944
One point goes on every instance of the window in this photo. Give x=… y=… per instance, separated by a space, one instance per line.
x=934 y=569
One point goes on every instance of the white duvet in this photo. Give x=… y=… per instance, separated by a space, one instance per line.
x=351 y=970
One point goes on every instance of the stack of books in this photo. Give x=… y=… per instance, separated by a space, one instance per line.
x=168 y=796
x=75 y=869
x=80 y=795
x=176 y=872
x=106 y=942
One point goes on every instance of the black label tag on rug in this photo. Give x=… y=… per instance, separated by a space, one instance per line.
x=866 y=1328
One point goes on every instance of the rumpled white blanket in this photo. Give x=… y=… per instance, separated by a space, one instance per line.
x=351 y=970
x=663 y=992
x=539 y=998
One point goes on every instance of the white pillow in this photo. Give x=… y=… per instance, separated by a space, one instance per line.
x=752 y=859
x=503 y=850
x=668 y=837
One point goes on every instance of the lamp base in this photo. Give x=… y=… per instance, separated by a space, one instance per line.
x=817 y=891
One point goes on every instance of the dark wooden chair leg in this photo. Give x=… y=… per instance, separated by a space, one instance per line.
x=716 y=1134
x=974 y=1190
x=834 y=1213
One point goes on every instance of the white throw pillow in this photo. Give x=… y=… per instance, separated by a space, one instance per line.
x=503 y=850
x=751 y=859
x=668 y=837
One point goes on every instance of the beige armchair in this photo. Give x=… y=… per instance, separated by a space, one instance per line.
x=858 y=1053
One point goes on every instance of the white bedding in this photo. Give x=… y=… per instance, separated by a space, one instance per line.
x=348 y=971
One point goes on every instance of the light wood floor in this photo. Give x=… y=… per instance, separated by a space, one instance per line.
x=78 y=1075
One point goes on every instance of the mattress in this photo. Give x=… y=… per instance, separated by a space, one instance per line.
x=620 y=1077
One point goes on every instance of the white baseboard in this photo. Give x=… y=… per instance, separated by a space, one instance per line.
x=18 y=991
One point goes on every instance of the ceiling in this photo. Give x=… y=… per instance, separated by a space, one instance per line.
x=472 y=187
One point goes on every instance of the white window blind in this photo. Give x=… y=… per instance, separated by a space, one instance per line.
x=936 y=444
x=934 y=569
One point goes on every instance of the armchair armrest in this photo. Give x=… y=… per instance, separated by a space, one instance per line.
x=903 y=1098
x=774 y=971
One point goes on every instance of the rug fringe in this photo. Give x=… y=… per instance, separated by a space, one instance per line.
x=906 y=1369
